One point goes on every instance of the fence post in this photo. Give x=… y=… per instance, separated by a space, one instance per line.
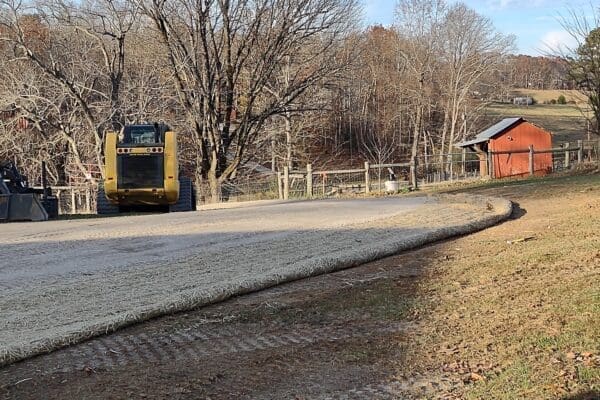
x=580 y=151
x=73 y=201
x=60 y=209
x=279 y=186
x=464 y=161
x=413 y=173
x=286 y=182
x=309 y=181
x=490 y=161
x=367 y=178
x=598 y=153
x=531 y=160
x=88 y=201
x=567 y=156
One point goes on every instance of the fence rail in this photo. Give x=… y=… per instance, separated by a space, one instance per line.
x=80 y=199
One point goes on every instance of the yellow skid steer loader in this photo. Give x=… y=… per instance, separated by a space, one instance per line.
x=142 y=172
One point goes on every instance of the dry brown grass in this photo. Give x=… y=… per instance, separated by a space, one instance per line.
x=524 y=316
x=566 y=122
x=542 y=96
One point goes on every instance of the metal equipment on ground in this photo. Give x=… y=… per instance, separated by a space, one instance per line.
x=142 y=172
x=19 y=202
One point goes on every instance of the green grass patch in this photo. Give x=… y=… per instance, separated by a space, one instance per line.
x=545 y=342
x=512 y=383
x=588 y=375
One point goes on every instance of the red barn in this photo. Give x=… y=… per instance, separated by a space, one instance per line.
x=511 y=138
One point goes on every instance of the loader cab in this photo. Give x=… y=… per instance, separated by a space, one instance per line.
x=143 y=135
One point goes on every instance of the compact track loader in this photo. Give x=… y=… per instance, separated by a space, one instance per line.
x=142 y=172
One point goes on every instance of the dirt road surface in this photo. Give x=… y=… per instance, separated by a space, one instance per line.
x=66 y=281
x=62 y=249
x=309 y=339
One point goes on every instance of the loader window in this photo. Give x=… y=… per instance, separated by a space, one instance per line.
x=146 y=137
x=141 y=134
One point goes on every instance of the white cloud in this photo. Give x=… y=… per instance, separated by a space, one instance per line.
x=557 y=40
x=516 y=4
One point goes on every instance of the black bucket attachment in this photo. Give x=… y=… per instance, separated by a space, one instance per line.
x=21 y=207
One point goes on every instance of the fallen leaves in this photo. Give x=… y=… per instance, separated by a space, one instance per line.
x=585 y=357
x=476 y=377
x=472 y=372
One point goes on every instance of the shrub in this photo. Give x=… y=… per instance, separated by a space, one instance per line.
x=553 y=101
x=561 y=99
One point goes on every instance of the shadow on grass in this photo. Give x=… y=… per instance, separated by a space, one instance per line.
x=590 y=395
x=517 y=211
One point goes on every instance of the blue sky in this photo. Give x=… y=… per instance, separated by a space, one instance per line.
x=533 y=22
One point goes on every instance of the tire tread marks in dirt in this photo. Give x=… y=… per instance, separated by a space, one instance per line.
x=120 y=349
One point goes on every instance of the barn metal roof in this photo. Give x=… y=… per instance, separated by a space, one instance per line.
x=492 y=131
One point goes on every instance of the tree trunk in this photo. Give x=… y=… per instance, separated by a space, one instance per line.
x=443 y=140
x=451 y=137
x=215 y=186
x=273 y=159
x=287 y=118
x=213 y=178
x=417 y=132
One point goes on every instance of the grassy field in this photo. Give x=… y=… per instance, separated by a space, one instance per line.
x=543 y=96
x=525 y=296
x=566 y=122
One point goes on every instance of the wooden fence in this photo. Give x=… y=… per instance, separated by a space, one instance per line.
x=313 y=182
x=420 y=171
x=563 y=158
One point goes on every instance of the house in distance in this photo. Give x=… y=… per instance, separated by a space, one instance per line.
x=508 y=143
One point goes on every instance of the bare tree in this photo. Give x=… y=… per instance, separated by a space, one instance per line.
x=419 y=26
x=81 y=49
x=224 y=54
x=471 y=49
x=584 y=57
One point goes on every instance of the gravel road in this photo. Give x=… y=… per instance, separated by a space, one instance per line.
x=64 y=281
x=36 y=252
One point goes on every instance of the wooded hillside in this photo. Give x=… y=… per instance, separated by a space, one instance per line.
x=275 y=82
